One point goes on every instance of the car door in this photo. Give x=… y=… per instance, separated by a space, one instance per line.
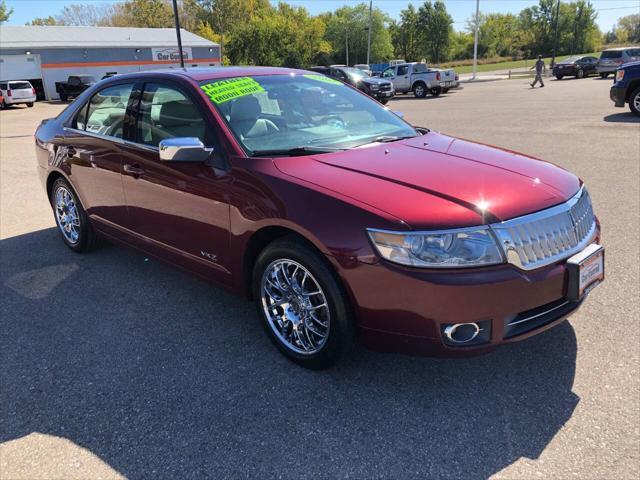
x=402 y=80
x=179 y=209
x=93 y=146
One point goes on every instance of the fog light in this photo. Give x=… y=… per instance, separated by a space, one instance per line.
x=466 y=334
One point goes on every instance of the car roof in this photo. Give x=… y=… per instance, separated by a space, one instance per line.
x=200 y=74
x=619 y=48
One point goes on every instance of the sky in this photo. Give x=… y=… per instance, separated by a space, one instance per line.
x=461 y=10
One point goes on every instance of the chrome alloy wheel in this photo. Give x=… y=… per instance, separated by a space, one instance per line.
x=419 y=90
x=636 y=101
x=67 y=215
x=295 y=306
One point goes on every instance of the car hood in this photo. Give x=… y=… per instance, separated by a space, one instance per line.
x=436 y=181
x=374 y=81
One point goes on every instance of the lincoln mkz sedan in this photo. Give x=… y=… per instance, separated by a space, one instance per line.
x=338 y=218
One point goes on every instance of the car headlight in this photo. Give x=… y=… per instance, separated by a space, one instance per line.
x=619 y=75
x=442 y=249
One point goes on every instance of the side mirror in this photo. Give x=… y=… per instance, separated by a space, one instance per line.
x=398 y=113
x=184 y=149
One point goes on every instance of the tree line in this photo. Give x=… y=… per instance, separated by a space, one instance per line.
x=258 y=32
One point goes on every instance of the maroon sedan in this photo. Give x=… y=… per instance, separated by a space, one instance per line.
x=336 y=216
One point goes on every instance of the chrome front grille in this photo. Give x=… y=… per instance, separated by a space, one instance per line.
x=542 y=238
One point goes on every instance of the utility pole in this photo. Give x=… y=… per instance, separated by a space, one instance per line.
x=555 y=41
x=369 y=33
x=346 y=42
x=175 y=14
x=475 y=41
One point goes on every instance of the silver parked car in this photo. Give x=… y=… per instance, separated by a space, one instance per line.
x=611 y=59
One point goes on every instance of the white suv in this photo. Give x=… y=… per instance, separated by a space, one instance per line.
x=18 y=91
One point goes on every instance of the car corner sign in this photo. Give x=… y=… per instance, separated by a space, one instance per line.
x=167 y=54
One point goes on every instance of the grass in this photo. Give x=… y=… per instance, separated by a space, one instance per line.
x=511 y=65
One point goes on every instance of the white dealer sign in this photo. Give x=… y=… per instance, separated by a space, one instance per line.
x=171 y=54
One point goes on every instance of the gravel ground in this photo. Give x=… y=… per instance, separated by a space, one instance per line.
x=116 y=365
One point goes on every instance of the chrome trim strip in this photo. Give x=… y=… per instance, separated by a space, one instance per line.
x=537 y=315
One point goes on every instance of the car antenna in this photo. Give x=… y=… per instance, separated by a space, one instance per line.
x=177 y=18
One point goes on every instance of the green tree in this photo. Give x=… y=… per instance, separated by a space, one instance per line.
x=226 y=16
x=627 y=30
x=282 y=36
x=5 y=12
x=435 y=25
x=50 y=20
x=498 y=35
x=353 y=22
x=145 y=13
x=406 y=36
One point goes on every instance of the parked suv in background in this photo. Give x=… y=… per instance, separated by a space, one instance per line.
x=626 y=88
x=611 y=59
x=16 y=92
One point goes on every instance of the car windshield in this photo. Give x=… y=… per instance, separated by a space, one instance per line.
x=302 y=113
x=355 y=73
x=611 y=54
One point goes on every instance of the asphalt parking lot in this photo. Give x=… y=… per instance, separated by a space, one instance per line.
x=112 y=364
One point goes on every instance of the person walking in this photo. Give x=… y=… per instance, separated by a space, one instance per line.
x=540 y=68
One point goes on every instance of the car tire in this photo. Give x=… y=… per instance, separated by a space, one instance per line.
x=634 y=102
x=63 y=97
x=71 y=219
x=435 y=91
x=604 y=75
x=384 y=101
x=30 y=104
x=559 y=77
x=580 y=73
x=420 y=90
x=445 y=90
x=304 y=314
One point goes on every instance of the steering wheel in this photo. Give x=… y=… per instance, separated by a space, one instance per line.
x=334 y=121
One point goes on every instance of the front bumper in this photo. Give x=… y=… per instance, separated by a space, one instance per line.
x=405 y=310
x=386 y=95
x=617 y=95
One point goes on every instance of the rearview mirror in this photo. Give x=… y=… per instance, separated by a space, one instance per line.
x=184 y=149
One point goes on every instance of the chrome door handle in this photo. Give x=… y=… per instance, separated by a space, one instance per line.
x=133 y=170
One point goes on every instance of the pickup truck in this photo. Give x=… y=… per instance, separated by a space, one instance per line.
x=420 y=79
x=74 y=86
x=626 y=88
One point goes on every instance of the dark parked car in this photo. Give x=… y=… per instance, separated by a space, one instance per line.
x=74 y=86
x=335 y=215
x=578 y=67
x=376 y=87
x=626 y=88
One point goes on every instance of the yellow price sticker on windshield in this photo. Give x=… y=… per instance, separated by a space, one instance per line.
x=226 y=90
x=322 y=78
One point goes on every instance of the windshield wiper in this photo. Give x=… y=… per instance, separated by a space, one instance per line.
x=386 y=139
x=294 y=152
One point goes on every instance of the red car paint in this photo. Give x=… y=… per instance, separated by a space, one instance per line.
x=177 y=210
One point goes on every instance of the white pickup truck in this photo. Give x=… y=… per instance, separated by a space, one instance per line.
x=420 y=79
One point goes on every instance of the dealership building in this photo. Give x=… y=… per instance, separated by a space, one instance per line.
x=48 y=54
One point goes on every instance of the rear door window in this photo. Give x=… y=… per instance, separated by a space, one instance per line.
x=107 y=108
x=633 y=52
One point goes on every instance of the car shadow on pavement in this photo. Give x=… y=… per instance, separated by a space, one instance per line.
x=160 y=374
x=622 y=117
